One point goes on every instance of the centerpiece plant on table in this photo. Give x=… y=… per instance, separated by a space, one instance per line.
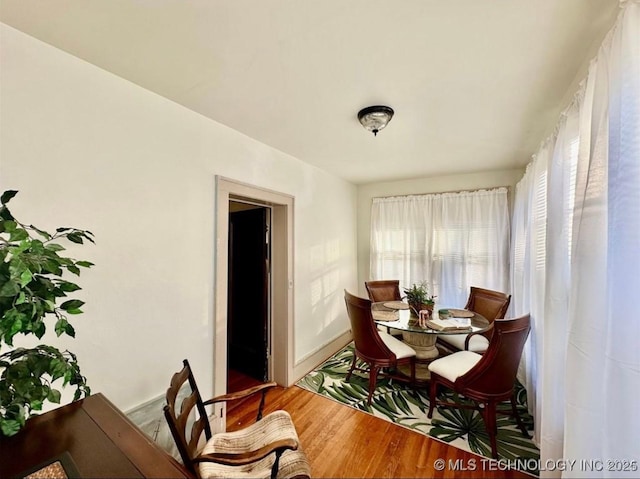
x=419 y=298
x=33 y=289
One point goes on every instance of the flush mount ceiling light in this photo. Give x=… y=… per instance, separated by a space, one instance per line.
x=375 y=118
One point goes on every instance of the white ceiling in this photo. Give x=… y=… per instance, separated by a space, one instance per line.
x=475 y=84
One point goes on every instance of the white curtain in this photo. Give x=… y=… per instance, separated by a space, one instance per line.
x=543 y=214
x=528 y=264
x=603 y=354
x=451 y=240
x=575 y=264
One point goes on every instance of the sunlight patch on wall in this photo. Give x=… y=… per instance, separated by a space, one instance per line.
x=326 y=285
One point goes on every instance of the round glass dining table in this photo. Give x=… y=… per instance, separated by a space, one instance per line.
x=421 y=338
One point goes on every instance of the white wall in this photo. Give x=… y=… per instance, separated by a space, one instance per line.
x=88 y=149
x=417 y=186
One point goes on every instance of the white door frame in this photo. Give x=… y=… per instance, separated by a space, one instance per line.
x=282 y=339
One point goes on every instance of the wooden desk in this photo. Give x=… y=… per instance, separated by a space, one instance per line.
x=101 y=441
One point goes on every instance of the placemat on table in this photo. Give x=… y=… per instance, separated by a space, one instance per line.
x=385 y=315
x=396 y=305
x=461 y=313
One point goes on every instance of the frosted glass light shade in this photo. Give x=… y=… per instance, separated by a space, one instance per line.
x=375 y=118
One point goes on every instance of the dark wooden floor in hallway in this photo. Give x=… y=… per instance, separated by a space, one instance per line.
x=237 y=381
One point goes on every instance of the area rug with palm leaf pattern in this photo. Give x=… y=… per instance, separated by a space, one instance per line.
x=401 y=404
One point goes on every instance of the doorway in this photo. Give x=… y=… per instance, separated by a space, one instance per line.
x=280 y=368
x=248 y=295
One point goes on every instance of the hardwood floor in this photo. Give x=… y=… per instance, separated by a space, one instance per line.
x=237 y=381
x=342 y=442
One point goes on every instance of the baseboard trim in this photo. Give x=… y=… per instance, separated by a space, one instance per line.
x=309 y=363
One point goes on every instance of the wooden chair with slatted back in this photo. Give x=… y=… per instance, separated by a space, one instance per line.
x=268 y=448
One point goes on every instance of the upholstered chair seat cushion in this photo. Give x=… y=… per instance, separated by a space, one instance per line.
x=273 y=427
x=400 y=349
x=478 y=343
x=455 y=365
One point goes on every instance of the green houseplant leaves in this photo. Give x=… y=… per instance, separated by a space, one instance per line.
x=419 y=298
x=33 y=289
x=419 y=293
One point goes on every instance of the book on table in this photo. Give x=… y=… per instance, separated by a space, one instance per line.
x=451 y=324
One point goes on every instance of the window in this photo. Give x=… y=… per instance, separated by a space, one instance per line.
x=451 y=240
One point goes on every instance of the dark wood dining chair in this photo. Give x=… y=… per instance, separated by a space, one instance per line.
x=268 y=448
x=486 y=379
x=383 y=290
x=488 y=303
x=382 y=353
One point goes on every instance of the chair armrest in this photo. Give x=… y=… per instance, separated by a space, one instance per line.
x=250 y=456
x=240 y=394
x=467 y=339
x=487 y=334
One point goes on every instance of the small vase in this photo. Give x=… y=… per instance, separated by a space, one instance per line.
x=417 y=307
